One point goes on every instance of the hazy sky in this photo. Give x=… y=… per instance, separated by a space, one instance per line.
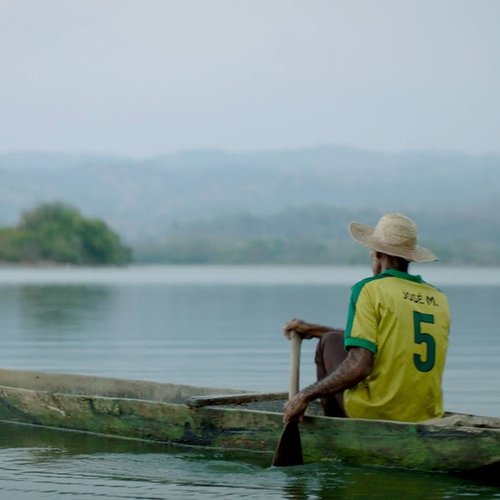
x=143 y=77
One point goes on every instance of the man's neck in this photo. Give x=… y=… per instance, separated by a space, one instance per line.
x=389 y=262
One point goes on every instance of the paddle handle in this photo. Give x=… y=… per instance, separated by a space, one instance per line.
x=289 y=449
x=296 y=340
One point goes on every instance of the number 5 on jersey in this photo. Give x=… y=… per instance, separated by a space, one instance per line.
x=427 y=364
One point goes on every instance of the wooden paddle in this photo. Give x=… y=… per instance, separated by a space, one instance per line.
x=289 y=449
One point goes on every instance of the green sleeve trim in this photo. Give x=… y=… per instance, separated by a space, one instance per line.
x=355 y=342
x=355 y=292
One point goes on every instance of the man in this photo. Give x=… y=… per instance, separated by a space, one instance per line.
x=389 y=362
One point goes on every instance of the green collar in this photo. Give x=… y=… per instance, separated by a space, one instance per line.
x=400 y=274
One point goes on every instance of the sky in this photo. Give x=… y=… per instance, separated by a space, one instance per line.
x=147 y=77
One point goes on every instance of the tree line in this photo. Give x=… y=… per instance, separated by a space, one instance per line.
x=56 y=232
x=296 y=251
x=316 y=235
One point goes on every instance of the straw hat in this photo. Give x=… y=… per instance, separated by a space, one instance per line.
x=395 y=234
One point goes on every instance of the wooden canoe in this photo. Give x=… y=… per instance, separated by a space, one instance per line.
x=457 y=443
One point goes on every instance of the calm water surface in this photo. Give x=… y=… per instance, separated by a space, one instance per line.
x=211 y=326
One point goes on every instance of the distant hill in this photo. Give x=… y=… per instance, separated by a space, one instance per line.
x=455 y=196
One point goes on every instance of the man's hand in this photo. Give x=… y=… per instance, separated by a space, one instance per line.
x=295 y=408
x=302 y=328
x=306 y=330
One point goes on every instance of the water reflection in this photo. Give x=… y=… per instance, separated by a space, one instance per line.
x=61 y=310
x=341 y=482
x=48 y=444
x=84 y=464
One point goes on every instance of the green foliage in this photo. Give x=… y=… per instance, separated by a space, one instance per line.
x=56 y=232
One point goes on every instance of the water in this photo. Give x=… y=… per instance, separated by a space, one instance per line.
x=212 y=326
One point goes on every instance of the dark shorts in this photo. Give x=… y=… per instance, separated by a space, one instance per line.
x=329 y=355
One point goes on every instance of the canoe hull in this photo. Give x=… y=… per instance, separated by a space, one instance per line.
x=471 y=443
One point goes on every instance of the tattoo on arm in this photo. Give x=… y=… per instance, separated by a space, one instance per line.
x=356 y=367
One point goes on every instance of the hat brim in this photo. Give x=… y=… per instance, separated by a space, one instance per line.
x=364 y=235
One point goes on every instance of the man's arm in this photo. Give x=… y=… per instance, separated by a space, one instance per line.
x=307 y=330
x=356 y=367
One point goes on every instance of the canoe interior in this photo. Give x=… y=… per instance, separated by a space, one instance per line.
x=105 y=387
x=177 y=394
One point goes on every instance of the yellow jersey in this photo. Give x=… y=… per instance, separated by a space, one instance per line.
x=405 y=323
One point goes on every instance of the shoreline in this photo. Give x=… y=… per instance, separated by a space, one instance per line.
x=203 y=274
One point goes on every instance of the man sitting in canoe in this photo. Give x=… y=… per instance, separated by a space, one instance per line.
x=388 y=364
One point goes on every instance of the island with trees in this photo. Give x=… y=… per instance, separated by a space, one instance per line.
x=58 y=233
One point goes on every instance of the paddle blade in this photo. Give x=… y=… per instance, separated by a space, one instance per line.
x=289 y=449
